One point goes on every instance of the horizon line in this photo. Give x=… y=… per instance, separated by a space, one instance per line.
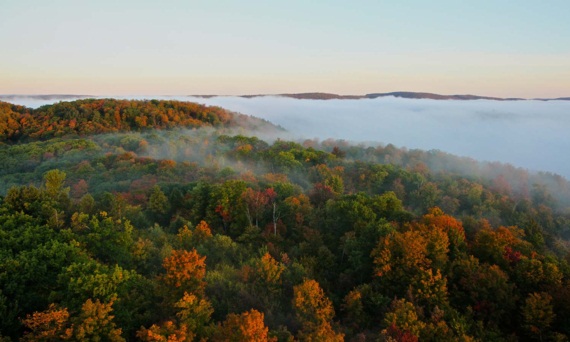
x=306 y=95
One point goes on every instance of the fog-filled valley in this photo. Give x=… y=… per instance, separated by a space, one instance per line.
x=531 y=134
x=162 y=220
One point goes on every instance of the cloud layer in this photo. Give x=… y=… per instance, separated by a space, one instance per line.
x=529 y=134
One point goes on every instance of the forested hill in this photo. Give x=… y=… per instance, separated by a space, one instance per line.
x=140 y=234
x=92 y=116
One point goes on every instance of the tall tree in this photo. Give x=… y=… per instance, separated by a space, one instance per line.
x=315 y=312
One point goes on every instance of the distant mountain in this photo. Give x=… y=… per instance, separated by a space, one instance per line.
x=305 y=96
x=402 y=94
x=300 y=96
x=431 y=96
x=322 y=96
x=45 y=97
x=556 y=99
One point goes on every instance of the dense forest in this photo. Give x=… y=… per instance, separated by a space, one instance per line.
x=172 y=221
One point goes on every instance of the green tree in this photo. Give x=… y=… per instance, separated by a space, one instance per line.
x=54 y=181
x=158 y=205
x=538 y=315
x=403 y=317
x=194 y=312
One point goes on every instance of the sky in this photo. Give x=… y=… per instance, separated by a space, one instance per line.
x=493 y=48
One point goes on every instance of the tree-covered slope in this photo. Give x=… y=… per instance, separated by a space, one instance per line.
x=94 y=116
x=187 y=234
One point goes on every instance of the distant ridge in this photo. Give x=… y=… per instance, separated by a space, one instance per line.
x=46 y=96
x=300 y=96
x=305 y=96
x=556 y=99
x=402 y=94
x=322 y=96
x=431 y=96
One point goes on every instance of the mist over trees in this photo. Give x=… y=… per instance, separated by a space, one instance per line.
x=529 y=134
x=187 y=226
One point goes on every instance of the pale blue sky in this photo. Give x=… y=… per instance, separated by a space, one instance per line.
x=496 y=48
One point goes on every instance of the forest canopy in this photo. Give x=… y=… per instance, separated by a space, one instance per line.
x=172 y=221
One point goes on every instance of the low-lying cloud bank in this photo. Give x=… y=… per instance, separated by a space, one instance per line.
x=529 y=134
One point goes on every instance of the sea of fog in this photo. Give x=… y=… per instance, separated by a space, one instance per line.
x=530 y=134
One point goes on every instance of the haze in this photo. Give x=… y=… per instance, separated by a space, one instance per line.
x=529 y=134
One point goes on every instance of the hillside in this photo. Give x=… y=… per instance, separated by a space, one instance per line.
x=95 y=116
x=192 y=227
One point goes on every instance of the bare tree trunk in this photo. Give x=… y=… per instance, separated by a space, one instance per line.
x=275 y=218
x=248 y=214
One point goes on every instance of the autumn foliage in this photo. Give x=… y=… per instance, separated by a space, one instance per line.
x=247 y=326
x=106 y=237
x=49 y=325
x=165 y=332
x=185 y=269
x=103 y=116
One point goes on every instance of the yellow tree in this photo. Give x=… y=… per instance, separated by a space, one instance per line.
x=189 y=238
x=95 y=323
x=538 y=314
x=436 y=221
x=315 y=312
x=269 y=271
x=399 y=257
x=264 y=277
x=194 y=312
x=410 y=263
